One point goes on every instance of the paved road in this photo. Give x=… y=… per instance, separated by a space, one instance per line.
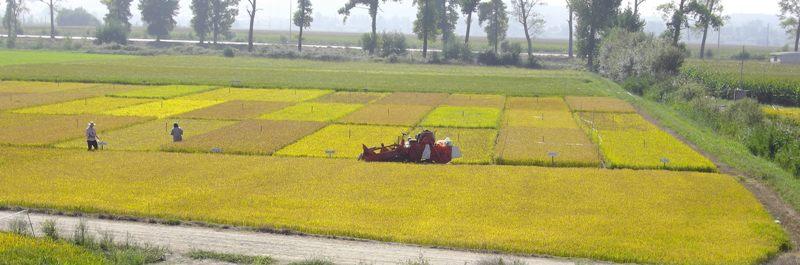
x=181 y=239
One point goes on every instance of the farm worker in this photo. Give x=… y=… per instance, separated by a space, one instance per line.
x=91 y=137
x=177 y=133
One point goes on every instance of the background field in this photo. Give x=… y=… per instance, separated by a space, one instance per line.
x=150 y=136
x=249 y=137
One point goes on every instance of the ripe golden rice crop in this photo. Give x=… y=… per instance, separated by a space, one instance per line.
x=462 y=117
x=646 y=149
x=277 y=95
x=17 y=100
x=150 y=136
x=477 y=145
x=345 y=140
x=236 y=110
x=403 y=115
x=408 y=98
x=475 y=100
x=599 y=104
x=33 y=129
x=312 y=111
x=16 y=249
x=615 y=121
x=351 y=97
x=39 y=87
x=254 y=137
x=84 y=106
x=537 y=104
x=650 y=217
x=162 y=92
x=788 y=113
x=538 y=119
x=533 y=146
x=163 y=108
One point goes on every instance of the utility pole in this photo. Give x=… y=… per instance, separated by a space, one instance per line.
x=719 y=38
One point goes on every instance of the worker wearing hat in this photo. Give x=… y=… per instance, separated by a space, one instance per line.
x=91 y=137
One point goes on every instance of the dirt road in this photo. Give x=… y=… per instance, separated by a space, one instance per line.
x=181 y=239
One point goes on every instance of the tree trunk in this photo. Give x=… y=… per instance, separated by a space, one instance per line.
x=300 y=38
x=426 y=30
x=443 y=24
x=705 y=32
x=530 y=43
x=252 y=23
x=590 y=47
x=374 y=40
x=495 y=29
x=52 y=22
x=677 y=23
x=469 y=26
x=571 y=33
x=797 y=37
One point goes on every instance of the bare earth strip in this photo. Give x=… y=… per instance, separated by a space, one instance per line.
x=182 y=239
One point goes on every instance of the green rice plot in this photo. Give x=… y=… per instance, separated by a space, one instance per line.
x=84 y=106
x=163 y=92
x=344 y=140
x=277 y=95
x=462 y=117
x=477 y=145
x=311 y=111
x=163 y=108
x=150 y=136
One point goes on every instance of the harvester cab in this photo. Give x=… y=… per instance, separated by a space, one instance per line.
x=424 y=148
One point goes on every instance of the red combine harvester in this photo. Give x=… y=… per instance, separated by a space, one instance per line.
x=423 y=149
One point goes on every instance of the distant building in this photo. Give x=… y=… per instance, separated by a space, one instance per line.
x=785 y=57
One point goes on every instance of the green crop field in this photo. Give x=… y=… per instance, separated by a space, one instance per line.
x=15 y=249
x=39 y=57
x=769 y=83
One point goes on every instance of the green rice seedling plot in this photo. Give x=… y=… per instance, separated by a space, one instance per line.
x=534 y=147
x=600 y=104
x=475 y=100
x=84 y=106
x=407 y=98
x=22 y=57
x=477 y=145
x=539 y=119
x=253 y=137
x=312 y=111
x=162 y=92
x=462 y=117
x=39 y=87
x=275 y=95
x=539 y=104
x=35 y=129
x=150 y=136
x=351 y=97
x=235 y=110
x=345 y=140
x=16 y=101
x=163 y=108
x=377 y=114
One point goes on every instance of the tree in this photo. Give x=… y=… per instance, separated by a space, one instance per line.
x=201 y=21
x=51 y=5
x=595 y=17
x=373 y=6
x=790 y=16
x=222 y=15
x=678 y=17
x=76 y=17
x=159 y=16
x=425 y=24
x=302 y=19
x=469 y=7
x=448 y=15
x=251 y=11
x=14 y=9
x=708 y=15
x=636 y=5
x=571 y=22
x=532 y=22
x=630 y=21
x=493 y=14
x=119 y=11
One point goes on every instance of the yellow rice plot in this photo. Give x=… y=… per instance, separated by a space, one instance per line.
x=276 y=95
x=646 y=149
x=351 y=97
x=477 y=145
x=236 y=110
x=162 y=92
x=84 y=106
x=537 y=104
x=34 y=129
x=253 y=137
x=17 y=100
x=150 y=136
x=534 y=146
x=600 y=104
x=539 y=119
x=377 y=114
x=785 y=112
x=408 y=98
x=462 y=117
x=475 y=100
x=345 y=140
x=615 y=121
x=312 y=111
x=25 y=87
x=163 y=108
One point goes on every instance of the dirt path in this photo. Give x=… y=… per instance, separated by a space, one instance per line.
x=182 y=239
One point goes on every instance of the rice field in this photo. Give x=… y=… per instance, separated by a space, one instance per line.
x=84 y=106
x=12 y=100
x=164 y=108
x=235 y=110
x=792 y=114
x=351 y=97
x=410 y=98
x=275 y=95
x=612 y=215
x=312 y=111
x=34 y=129
x=378 y=114
x=600 y=104
x=475 y=100
x=538 y=119
x=558 y=147
x=462 y=117
x=477 y=145
x=150 y=136
x=253 y=137
x=345 y=140
x=23 y=250
x=536 y=104
x=25 y=87
x=162 y=92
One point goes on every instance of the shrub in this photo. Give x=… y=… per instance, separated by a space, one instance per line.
x=510 y=53
x=669 y=60
x=228 y=52
x=113 y=32
x=393 y=44
x=367 y=42
x=457 y=51
x=638 y=84
x=743 y=55
x=488 y=58
x=624 y=54
x=50 y=230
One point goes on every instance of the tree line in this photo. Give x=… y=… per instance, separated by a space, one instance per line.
x=589 y=20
